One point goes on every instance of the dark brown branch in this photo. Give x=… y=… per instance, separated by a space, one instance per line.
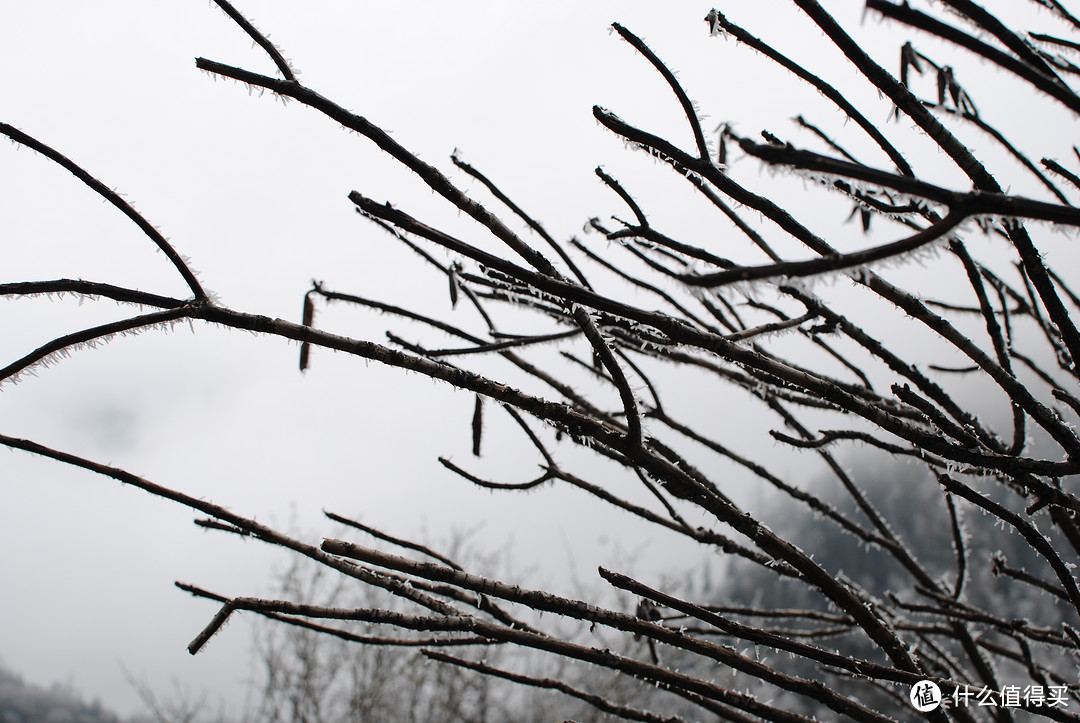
x=643 y=285
x=215 y=624
x=973 y=204
x=987 y=21
x=1032 y=536
x=660 y=676
x=812 y=502
x=93 y=335
x=961 y=155
x=596 y=701
x=959 y=548
x=529 y=220
x=1062 y=171
x=545 y=477
x=828 y=436
x=503 y=345
x=906 y=301
x=1000 y=567
x=1004 y=142
x=211 y=524
x=699 y=534
x=393 y=540
x=826 y=264
x=623 y=194
x=345 y=635
x=547 y=602
x=682 y=332
x=261 y=40
x=112 y=197
x=827 y=90
x=935 y=416
x=1040 y=77
x=756 y=635
x=427 y=173
x=1053 y=40
x=824 y=136
x=669 y=77
x=687 y=165
x=256 y=529
x=91 y=289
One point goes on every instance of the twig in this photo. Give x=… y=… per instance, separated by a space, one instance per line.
x=112 y=197
x=260 y=39
x=598 y=702
x=684 y=101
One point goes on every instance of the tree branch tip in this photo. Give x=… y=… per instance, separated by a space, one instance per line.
x=212 y=524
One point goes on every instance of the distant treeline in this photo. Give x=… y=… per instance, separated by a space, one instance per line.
x=22 y=702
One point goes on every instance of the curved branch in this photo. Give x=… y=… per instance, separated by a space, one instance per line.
x=826 y=264
x=1034 y=71
x=684 y=101
x=92 y=289
x=112 y=197
x=261 y=40
x=975 y=203
x=824 y=88
x=547 y=602
x=61 y=344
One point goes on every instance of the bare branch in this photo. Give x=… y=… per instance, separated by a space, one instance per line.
x=112 y=197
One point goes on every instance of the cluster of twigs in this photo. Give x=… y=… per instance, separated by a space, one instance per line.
x=880 y=641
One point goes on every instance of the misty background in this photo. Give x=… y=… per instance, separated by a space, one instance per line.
x=253 y=191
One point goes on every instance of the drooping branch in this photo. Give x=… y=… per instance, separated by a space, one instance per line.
x=540 y=600
x=669 y=77
x=973 y=203
x=261 y=40
x=831 y=263
x=89 y=289
x=113 y=198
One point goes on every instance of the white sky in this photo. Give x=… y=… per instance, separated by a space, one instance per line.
x=253 y=191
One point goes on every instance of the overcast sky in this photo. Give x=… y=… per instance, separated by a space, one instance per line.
x=253 y=191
